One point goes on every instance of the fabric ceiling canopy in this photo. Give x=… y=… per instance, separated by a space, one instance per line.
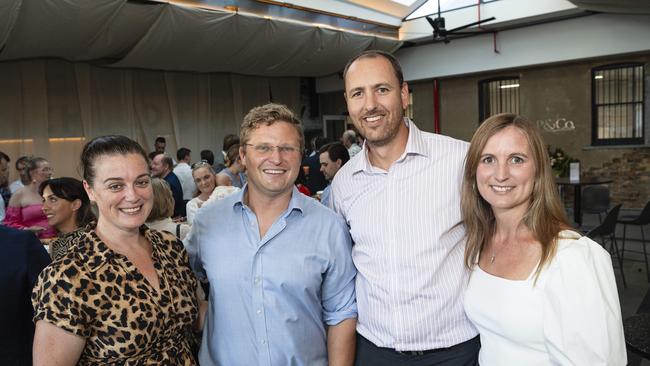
x=165 y=36
x=614 y=6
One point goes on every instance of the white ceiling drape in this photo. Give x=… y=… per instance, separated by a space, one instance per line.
x=165 y=36
x=50 y=107
x=614 y=6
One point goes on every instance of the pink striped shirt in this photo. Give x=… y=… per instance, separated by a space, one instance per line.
x=408 y=247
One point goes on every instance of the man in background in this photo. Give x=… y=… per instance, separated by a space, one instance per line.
x=161 y=167
x=159 y=147
x=208 y=157
x=315 y=179
x=349 y=140
x=332 y=157
x=184 y=173
x=23 y=258
x=23 y=179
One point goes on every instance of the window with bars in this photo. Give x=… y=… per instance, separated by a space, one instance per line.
x=498 y=96
x=617 y=104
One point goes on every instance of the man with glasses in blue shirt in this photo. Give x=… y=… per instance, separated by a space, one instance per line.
x=278 y=263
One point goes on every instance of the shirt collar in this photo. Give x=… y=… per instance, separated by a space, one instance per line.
x=415 y=145
x=297 y=201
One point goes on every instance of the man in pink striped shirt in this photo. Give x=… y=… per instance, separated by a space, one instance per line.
x=400 y=195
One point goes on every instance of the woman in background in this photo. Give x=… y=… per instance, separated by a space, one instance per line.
x=205 y=181
x=25 y=210
x=124 y=294
x=233 y=174
x=160 y=217
x=67 y=208
x=539 y=293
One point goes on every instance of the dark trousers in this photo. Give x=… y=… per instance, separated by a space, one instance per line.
x=462 y=354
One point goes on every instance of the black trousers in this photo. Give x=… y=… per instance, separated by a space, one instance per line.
x=462 y=354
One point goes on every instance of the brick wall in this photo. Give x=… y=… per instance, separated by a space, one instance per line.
x=631 y=178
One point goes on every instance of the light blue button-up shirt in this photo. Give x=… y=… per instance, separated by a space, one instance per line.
x=271 y=297
x=325 y=196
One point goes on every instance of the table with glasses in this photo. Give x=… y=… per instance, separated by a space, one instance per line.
x=577 y=192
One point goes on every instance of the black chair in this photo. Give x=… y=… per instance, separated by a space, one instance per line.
x=595 y=200
x=607 y=233
x=640 y=221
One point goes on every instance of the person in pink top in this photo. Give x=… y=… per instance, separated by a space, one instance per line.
x=25 y=210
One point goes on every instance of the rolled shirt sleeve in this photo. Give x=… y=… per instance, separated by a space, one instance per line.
x=339 y=298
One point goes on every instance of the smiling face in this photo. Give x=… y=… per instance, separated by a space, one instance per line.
x=204 y=179
x=375 y=100
x=505 y=175
x=60 y=212
x=272 y=173
x=158 y=167
x=122 y=190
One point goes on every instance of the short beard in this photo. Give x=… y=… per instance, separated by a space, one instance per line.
x=391 y=134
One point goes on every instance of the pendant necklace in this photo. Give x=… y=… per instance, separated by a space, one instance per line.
x=495 y=252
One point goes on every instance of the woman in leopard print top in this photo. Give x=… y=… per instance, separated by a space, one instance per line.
x=123 y=294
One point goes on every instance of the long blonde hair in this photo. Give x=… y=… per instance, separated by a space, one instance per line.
x=545 y=217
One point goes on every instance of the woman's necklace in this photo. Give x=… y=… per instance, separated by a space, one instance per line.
x=495 y=252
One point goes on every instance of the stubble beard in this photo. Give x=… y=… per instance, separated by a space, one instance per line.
x=388 y=132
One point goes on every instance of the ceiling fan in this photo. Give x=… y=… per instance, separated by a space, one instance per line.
x=440 y=33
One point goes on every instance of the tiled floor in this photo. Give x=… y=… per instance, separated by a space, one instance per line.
x=635 y=272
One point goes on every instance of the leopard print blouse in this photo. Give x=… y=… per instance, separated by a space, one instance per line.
x=60 y=245
x=99 y=295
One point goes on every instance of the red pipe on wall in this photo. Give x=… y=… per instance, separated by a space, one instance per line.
x=436 y=107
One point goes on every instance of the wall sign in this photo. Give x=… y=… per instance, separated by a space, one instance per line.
x=557 y=125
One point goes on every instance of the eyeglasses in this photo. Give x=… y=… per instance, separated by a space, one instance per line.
x=200 y=164
x=265 y=149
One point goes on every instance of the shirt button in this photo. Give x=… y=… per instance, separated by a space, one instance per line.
x=263 y=341
x=259 y=311
x=257 y=280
